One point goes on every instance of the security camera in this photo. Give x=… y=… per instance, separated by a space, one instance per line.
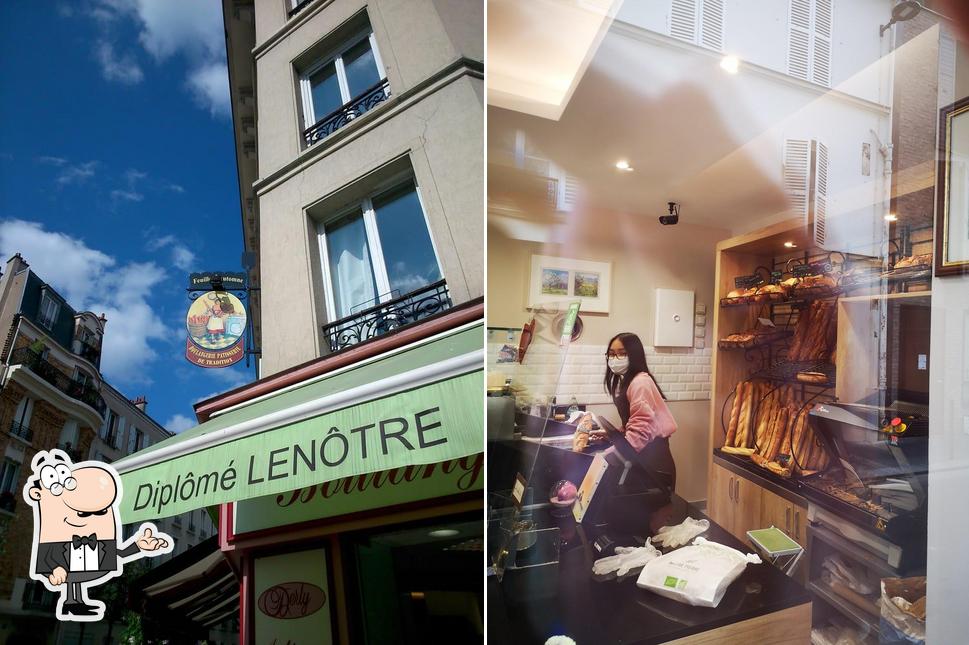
x=673 y=217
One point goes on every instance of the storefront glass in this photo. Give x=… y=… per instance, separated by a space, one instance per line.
x=772 y=196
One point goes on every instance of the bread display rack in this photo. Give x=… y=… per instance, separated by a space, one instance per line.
x=786 y=352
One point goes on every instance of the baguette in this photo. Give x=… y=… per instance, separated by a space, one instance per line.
x=744 y=420
x=812 y=377
x=737 y=451
x=735 y=413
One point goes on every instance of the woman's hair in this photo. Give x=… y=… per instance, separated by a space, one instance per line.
x=617 y=384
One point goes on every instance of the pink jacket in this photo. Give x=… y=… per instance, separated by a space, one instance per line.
x=649 y=417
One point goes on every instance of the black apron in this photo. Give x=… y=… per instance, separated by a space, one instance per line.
x=655 y=459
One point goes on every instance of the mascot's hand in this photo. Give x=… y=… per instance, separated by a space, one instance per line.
x=58 y=576
x=147 y=542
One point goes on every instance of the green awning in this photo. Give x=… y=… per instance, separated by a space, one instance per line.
x=420 y=404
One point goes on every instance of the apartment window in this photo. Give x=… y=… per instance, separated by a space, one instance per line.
x=342 y=86
x=806 y=183
x=377 y=250
x=82 y=378
x=115 y=427
x=698 y=21
x=135 y=440
x=9 y=475
x=49 y=308
x=20 y=426
x=809 y=40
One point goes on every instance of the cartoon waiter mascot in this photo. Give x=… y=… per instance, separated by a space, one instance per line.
x=77 y=529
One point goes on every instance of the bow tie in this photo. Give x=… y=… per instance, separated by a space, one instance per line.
x=81 y=540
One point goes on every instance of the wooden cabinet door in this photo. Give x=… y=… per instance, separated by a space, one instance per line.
x=720 y=505
x=776 y=511
x=799 y=534
x=747 y=505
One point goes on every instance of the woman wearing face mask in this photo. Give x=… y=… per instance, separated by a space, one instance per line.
x=646 y=420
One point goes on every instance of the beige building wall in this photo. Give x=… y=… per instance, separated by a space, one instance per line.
x=674 y=257
x=432 y=123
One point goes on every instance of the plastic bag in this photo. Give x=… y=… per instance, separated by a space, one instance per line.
x=682 y=533
x=625 y=560
x=696 y=575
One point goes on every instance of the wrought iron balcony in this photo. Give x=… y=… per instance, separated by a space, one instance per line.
x=74 y=389
x=18 y=429
x=388 y=316
x=338 y=118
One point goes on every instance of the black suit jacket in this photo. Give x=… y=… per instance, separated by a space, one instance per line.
x=51 y=555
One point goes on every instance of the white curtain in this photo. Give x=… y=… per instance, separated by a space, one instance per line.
x=350 y=267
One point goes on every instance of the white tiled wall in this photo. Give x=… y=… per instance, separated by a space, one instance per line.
x=682 y=373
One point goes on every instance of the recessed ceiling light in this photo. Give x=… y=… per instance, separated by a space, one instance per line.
x=891 y=217
x=730 y=64
x=622 y=164
x=443 y=533
x=790 y=245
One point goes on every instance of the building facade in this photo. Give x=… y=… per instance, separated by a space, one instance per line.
x=54 y=396
x=358 y=132
x=359 y=139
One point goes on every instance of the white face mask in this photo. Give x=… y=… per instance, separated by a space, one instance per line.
x=618 y=365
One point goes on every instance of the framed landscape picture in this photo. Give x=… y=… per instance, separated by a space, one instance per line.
x=952 y=221
x=559 y=280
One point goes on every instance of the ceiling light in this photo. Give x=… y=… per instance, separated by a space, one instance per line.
x=622 y=164
x=443 y=533
x=730 y=64
x=790 y=245
x=891 y=217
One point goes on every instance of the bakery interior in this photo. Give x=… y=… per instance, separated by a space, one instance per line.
x=775 y=243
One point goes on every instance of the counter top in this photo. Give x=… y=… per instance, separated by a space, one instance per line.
x=532 y=604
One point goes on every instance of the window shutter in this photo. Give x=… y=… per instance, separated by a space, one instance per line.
x=683 y=19
x=820 y=193
x=799 y=40
x=821 y=63
x=711 y=24
x=797 y=158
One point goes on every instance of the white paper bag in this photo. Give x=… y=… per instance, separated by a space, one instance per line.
x=698 y=574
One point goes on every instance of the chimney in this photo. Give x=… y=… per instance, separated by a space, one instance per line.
x=141 y=403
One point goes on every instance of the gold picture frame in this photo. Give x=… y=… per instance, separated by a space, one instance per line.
x=952 y=221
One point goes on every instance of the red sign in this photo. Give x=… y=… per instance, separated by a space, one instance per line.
x=220 y=358
x=291 y=600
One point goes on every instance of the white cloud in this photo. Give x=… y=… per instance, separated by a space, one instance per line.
x=187 y=28
x=123 y=69
x=94 y=281
x=126 y=195
x=179 y=423
x=131 y=178
x=76 y=173
x=52 y=161
x=209 y=86
x=181 y=256
x=175 y=188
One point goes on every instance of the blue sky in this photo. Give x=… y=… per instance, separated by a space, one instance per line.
x=118 y=175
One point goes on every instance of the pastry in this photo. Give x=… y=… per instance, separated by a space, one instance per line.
x=812 y=377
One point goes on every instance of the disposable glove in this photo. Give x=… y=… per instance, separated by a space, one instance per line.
x=682 y=533
x=626 y=559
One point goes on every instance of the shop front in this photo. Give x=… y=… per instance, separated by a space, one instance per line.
x=769 y=354
x=347 y=489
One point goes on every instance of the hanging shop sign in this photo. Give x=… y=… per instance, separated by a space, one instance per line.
x=292 y=599
x=221 y=281
x=216 y=324
x=361 y=493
